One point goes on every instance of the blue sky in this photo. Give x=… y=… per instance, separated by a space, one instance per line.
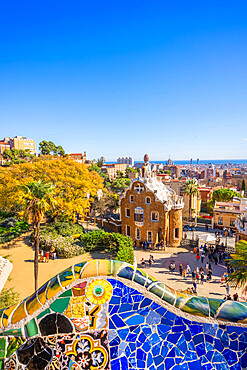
x=119 y=78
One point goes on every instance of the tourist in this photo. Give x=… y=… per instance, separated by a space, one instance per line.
x=134 y=245
x=41 y=256
x=207 y=267
x=202 y=276
x=188 y=270
x=184 y=273
x=52 y=252
x=185 y=236
x=194 y=287
x=47 y=255
x=209 y=276
x=227 y=289
x=193 y=275
x=142 y=262
x=181 y=269
x=202 y=257
x=235 y=297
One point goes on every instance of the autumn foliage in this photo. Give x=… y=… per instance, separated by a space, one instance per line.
x=72 y=184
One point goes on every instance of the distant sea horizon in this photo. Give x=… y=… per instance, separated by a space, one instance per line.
x=203 y=161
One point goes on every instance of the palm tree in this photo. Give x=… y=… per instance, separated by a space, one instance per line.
x=38 y=201
x=239 y=263
x=191 y=189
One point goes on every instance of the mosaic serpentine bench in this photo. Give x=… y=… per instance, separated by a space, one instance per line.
x=106 y=314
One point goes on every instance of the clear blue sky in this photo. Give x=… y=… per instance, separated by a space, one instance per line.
x=119 y=78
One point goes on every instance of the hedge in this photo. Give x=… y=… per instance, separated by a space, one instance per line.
x=112 y=242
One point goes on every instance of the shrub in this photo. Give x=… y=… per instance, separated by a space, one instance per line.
x=12 y=232
x=113 y=242
x=62 y=228
x=66 y=247
x=9 y=222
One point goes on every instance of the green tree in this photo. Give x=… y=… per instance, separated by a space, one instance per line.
x=48 y=148
x=100 y=161
x=239 y=263
x=243 y=186
x=224 y=195
x=190 y=188
x=39 y=199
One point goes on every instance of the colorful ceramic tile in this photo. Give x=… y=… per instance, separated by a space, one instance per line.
x=78 y=268
x=41 y=293
x=32 y=304
x=104 y=267
x=7 y=313
x=60 y=304
x=116 y=266
x=66 y=293
x=13 y=344
x=53 y=288
x=31 y=328
x=20 y=313
x=90 y=269
x=66 y=277
x=197 y=306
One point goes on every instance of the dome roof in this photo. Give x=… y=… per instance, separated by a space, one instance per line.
x=146 y=158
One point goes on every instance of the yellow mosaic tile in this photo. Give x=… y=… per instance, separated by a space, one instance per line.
x=32 y=304
x=53 y=288
x=89 y=270
x=6 y=315
x=78 y=268
x=66 y=277
x=41 y=293
x=20 y=313
x=104 y=267
x=116 y=266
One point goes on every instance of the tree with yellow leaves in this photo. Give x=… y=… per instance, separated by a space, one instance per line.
x=72 y=182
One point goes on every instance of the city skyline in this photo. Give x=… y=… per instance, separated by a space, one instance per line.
x=123 y=79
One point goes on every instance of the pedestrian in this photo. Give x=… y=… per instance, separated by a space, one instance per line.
x=193 y=275
x=235 y=297
x=197 y=270
x=185 y=236
x=216 y=259
x=202 y=257
x=134 y=245
x=184 y=273
x=202 y=277
x=47 y=255
x=188 y=270
x=142 y=262
x=227 y=289
x=194 y=287
x=41 y=256
x=206 y=267
x=209 y=276
x=197 y=257
x=181 y=269
x=209 y=266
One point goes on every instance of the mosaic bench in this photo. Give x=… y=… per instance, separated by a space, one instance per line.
x=106 y=314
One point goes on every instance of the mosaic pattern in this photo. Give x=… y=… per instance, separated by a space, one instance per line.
x=91 y=316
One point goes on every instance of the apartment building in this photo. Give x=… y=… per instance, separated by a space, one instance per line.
x=112 y=169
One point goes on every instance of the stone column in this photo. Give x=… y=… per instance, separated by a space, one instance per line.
x=176 y=227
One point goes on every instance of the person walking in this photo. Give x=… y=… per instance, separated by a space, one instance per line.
x=188 y=270
x=194 y=287
x=202 y=276
x=193 y=275
x=142 y=262
x=202 y=257
x=181 y=269
x=227 y=289
x=207 y=267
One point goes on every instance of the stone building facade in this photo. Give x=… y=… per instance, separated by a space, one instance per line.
x=150 y=211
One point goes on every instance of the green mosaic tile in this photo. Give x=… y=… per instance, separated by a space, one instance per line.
x=2 y=343
x=32 y=328
x=78 y=268
x=60 y=304
x=1 y=364
x=67 y=293
x=14 y=332
x=2 y=354
x=14 y=344
x=45 y=312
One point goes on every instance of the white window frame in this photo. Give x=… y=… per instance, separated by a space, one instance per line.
x=126 y=212
x=150 y=241
x=147 y=201
x=131 y=196
x=152 y=217
x=126 y=228
x=137 y=229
